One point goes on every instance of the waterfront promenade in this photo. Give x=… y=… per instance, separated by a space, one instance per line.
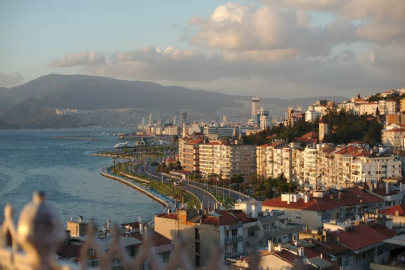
x=166 y=201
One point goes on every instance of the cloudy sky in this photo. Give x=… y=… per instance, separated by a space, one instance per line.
x=270 y=48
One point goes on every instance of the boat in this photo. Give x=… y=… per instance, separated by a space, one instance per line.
x=108 y=134
x=121 y=145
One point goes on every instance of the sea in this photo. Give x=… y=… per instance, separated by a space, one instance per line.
x=31 y=160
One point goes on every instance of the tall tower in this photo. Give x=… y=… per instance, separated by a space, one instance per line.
x=323 y=129
x=150 y=119
x=255 y=106
x=175 y=121
x=143 y=121
x=183 y=118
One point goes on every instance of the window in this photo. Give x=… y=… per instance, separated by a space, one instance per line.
x=166 y=256
x=298 y=217
x=251 y=231
x=234 y=232
x=197 y=247
x=197 y=261
x=197 y=234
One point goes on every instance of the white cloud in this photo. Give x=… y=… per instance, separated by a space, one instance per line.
x=277 y=45
x=7 y=80
x=380 y=20
x=238 y=27
x=79 y=59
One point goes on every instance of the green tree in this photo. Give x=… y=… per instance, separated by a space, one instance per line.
x=175 y=139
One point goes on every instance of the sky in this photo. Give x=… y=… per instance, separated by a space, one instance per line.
x=267 y=48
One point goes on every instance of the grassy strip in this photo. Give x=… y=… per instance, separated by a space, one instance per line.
x=162 y=188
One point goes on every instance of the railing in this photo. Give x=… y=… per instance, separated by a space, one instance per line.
x=40 y=233
x=235 y=238
x=233 y=253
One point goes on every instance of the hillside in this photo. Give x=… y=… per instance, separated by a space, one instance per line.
x=94 y=93
x=33 y=113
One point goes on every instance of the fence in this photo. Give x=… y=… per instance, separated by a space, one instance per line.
x=40 y=233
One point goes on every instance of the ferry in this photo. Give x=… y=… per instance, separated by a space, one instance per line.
x=121 y=145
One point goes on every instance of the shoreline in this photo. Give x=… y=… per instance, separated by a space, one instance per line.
x=168 y=202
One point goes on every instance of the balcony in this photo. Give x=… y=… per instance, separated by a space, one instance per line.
x=233 y=239
x=233 y=253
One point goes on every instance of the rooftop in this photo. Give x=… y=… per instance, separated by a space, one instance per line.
x=392 y=210
x=362 y=236
x=350 y=196
x=217 y=218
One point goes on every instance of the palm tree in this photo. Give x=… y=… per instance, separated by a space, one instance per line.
x=179 y=192
x=114 y=162
x=212 y=177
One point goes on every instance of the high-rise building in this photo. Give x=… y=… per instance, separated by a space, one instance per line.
x=175 y=121
x=265 y=120
x=150 y=119
x=255 y=106
x=189 y=152
x=224 y=119
x=323 y=129
x=227 y=158
x=143 y=121
x=183 y=118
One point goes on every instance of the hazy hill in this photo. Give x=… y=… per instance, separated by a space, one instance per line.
x=33 y=113
x=90 y=92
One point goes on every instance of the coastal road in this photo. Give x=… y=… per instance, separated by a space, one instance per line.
x=205 y=197
x=198 y=192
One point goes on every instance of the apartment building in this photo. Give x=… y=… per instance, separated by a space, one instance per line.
x=232 y=229
x=214 y=132
x=393 y=137
x=353 y=244
x=316 y=111
x=288 y=256
x=228 y=158
x=366 y=166
x=272 y=225
x=320 y=206
x=402 y=106
x=189 y=153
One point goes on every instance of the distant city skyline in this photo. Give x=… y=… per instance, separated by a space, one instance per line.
x=267 y=48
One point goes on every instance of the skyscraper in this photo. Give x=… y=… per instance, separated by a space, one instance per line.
x=143 y=121
x=150 y=119
x=183 y=118
x=255 y=106
x=174 y=120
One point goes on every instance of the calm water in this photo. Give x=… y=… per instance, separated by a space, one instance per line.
x=31 y=160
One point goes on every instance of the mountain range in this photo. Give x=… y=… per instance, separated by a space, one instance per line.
x=34 y=104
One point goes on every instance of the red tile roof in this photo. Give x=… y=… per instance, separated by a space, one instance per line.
x=158 y=239
x=391 y=211
x=361 y=236
x=291 y=257
x=385 y=231
x=351 y=196
x=170 y=216
x=332 y=248
x=277 y=144
x=367 y=197
x=226 y=217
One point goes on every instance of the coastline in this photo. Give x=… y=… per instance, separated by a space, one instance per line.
x=168 y=202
